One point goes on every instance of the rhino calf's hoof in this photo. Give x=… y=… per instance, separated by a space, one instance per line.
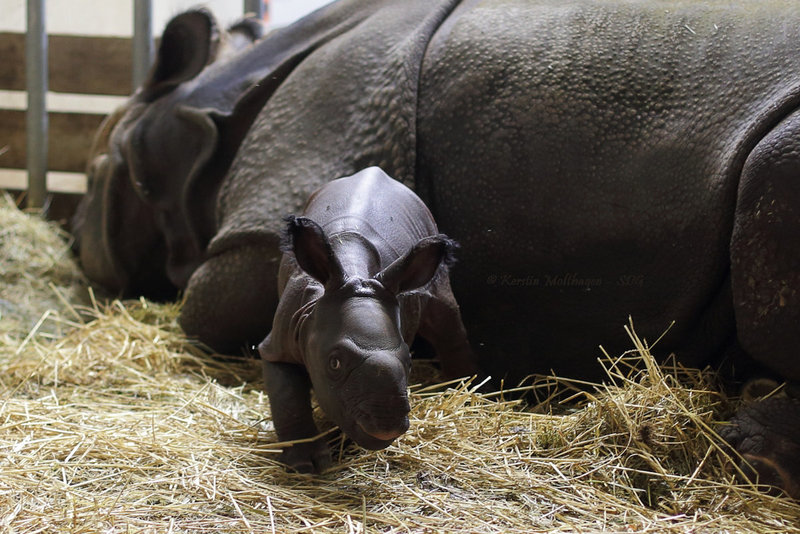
x=311 y=458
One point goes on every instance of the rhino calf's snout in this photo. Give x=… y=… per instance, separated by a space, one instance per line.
x=384 y=417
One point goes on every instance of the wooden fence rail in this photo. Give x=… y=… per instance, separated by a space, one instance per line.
x=78 y=65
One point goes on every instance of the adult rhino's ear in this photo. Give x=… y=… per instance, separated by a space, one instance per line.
x=188 y=44
x=419 y=265
x=245 y=32
x=313 y=251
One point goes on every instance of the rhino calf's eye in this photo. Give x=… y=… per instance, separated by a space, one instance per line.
x=335 y=363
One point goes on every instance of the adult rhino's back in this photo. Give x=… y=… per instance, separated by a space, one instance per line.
x=587 y=156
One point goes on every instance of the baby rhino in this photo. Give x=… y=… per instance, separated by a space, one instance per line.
x=364 y=270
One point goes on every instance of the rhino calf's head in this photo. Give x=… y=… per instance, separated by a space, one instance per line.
x=350 y=337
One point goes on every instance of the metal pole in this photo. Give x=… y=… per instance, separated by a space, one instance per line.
x=142 y=40
x=254 y=6
x=36 y=116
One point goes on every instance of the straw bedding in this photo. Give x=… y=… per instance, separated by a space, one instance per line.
x=113 y=422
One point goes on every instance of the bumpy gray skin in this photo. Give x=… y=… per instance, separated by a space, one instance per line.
x=365 y=271
x=643 y=152
x=595 y=159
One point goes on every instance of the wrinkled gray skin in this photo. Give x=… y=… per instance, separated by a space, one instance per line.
x=364 y=272
x=595 y=159
x=157 y=162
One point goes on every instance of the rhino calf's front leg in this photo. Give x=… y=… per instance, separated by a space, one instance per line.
x=288 y=387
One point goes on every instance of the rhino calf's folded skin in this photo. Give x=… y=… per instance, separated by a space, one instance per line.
x=364 y=270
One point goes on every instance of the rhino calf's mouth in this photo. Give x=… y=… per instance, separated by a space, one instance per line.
x=385 y=435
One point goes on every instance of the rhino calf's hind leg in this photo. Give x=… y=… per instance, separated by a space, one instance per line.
x=441 y=325
x=231 y=298
x=765 y=277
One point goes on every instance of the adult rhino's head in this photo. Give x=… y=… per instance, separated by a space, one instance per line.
x=352 y=341
x=148 y=212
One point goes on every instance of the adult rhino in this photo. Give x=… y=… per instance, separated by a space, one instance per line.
x=595 y=159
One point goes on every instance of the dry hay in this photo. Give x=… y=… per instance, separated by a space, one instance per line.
x=120 y=425
x=37 y=273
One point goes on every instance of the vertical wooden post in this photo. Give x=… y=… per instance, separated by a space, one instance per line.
x=255 y=6
x=142 y=40
x=36 y=115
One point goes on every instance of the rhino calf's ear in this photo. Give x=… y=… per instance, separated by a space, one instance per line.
x=188 y=44
x=313 y=251
x=419 y=265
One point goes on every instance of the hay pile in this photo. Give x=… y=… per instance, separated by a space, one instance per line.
x=119 y=425
x=37 y=273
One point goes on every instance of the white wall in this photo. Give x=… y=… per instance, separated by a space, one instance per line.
x=283 y=12
x=115 y=17
x=106 y=17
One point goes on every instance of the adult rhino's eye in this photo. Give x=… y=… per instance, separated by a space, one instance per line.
x=335 y=363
